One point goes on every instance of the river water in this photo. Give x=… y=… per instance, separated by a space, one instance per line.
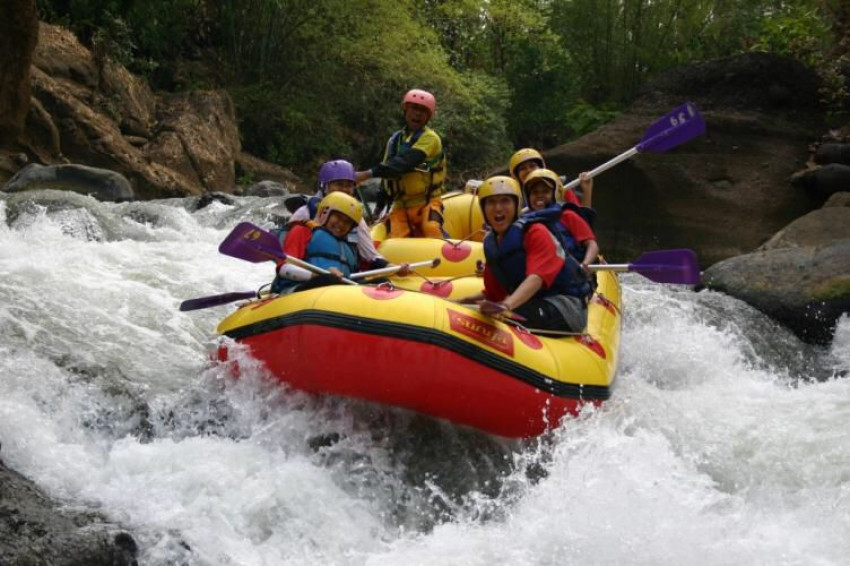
x=726 y=440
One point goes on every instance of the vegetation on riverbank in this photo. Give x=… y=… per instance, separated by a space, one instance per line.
x=319 y=78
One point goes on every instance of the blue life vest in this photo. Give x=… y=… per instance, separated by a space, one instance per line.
x=507 y=259
x=325 y=250
x=551 y=216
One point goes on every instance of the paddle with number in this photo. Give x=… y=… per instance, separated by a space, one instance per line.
x=216 y=300
x=251 y=243
x=662 y=266
x=675 y=128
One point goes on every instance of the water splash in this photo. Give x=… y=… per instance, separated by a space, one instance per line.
x=723 y=443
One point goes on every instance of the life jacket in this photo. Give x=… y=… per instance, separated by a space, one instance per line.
x=422 y=184
x=324 y=250
x=587 y=213
x=507 y=259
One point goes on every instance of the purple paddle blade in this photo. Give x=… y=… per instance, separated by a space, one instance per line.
x=668 y=266
x=251 y=243
x=215 y=300
x=679 y=126
x=670 y=119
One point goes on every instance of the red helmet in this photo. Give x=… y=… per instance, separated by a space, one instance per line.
x=422 y=98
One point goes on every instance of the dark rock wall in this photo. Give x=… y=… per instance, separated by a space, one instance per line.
x=18 y=38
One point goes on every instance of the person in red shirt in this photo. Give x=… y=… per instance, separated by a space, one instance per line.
x=540 y=188
x=324 y=243
x=527 y=269
x=526 y=160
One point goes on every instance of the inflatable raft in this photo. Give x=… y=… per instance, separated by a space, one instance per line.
x=457 y=274
x=421 y=352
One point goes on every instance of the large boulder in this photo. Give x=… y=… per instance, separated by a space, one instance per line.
x=125 y=98
x=251 y=169
x=819 y=228
x=87 y=109
x=833 y=153
x=722 y=194
x=838 y=199
x=825 y=180
x=91 y=137
x=37 y=531
x=266 y=189
x=800 y=277
x=198 y=137
x=102 y=184
x=807 y=289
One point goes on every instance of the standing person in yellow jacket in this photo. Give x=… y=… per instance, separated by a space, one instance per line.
x=414 y=171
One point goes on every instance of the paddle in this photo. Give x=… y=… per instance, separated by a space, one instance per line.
x=216 y=300
x=394 y=269
x=662 y=266
x=675 y=128
x=251 y=243
x=366 y=210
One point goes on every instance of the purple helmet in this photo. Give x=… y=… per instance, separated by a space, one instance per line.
x=336 y=170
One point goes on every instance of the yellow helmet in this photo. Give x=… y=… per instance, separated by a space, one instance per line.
x=523 y=155
x=499 y=185
x=340 y=202
x=550 y=178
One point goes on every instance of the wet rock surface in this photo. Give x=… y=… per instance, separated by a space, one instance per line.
x=37 y=531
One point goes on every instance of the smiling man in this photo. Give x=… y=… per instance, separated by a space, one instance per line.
x=414 y=171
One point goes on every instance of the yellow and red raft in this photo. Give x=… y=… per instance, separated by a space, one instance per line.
x=403 y=347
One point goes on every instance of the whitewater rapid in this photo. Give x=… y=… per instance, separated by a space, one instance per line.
x=725 y=442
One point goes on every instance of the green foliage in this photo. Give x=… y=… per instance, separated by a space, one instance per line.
x=317 y=79
x=114 y=40
x=584 y=117
x=802 y=32
x=472 y=125
x=346 y=102
x=140 y=35
x=795 y=31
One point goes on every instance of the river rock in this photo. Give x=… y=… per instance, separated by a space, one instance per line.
x=197 y=136
x=818 y=228
x=807 y=289
x=251 y=169
x=800 y=277
x=722 y=194
x=37 y=531
x=86 y=109
x=825 y=180
x=102 y=184
x=207 y=199
x=266 y=189
x=833 y=153
x=838 y=199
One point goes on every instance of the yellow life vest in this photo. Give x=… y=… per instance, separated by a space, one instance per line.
x=426 y=181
